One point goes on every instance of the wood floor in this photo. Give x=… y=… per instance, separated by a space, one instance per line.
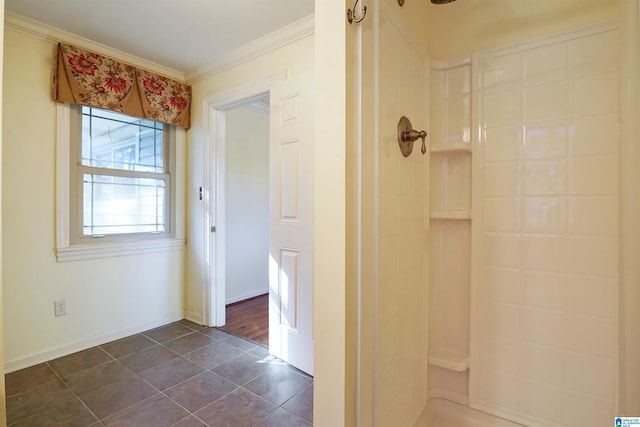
x=249 y=319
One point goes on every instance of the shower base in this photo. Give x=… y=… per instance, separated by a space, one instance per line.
x=442 y=412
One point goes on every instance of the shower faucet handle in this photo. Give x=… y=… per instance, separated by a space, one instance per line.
x=412 y=135
x=407 y=135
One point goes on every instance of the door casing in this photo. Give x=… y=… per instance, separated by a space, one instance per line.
x=213 y=192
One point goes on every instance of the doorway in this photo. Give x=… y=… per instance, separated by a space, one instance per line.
x=247 y=219
x=291 y=210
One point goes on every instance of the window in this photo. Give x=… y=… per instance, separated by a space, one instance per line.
x=122 y=174
x=121 y=184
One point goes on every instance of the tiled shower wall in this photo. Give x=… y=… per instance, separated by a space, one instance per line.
x=450 y=234
x=400 y=349
x=544 y=330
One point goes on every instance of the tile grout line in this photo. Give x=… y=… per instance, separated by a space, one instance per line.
x=215 y=338
x=158 y=391
x=73 y=392
x=162 y=392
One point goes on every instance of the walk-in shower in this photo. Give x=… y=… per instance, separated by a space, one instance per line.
x=494 y=259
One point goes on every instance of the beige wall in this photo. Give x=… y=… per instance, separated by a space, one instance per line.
x=106 y=298
x=295 y=58
x=329 y=280
x=247 y=203
x=458 y=29
x=330 y=367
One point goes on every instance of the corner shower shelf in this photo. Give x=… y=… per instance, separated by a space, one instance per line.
x=451 y=147
x=449 y=360
x=450 y=214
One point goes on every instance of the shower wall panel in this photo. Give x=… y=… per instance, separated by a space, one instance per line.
x=545 y=285
x=400 y=348
x=450 y=230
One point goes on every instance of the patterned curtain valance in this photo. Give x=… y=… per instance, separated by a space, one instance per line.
x=83 y=77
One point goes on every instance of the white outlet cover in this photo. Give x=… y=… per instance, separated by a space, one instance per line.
x=60 y=307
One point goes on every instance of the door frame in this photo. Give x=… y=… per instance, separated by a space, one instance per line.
x=213 y=190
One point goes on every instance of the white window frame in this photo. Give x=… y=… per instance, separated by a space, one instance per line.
x=79 y=170
x=66 y=250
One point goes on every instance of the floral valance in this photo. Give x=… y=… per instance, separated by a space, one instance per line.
x=83 y=77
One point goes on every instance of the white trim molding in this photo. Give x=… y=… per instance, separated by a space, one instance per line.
x=82 y=252
x=213 y=109
x=298 y=30
x=65 y=252
x=193 y=317
x=54 y=353
x=247 y=296
x=53 y=35
x=63 y=161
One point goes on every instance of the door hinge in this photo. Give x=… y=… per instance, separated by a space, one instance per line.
x=213 y=228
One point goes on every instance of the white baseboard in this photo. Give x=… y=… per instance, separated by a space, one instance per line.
x=45 y=356
x=246 y=296
x=193 y=317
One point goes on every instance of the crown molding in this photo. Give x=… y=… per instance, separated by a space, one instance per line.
x=53 y=35
x=298 y=30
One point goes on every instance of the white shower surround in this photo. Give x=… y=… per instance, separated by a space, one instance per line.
x=629 y=361
x=391 y=228
x=544 y=211
x=544 y=329
x=402 y=258
x=592 y=241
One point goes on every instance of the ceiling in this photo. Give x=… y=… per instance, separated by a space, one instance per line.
x=182 y=35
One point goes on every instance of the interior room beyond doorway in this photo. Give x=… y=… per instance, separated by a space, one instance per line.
x=247 y=219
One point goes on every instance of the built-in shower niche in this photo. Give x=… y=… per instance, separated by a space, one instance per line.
x=450 y=230
x=449 y=309
x=450 y=184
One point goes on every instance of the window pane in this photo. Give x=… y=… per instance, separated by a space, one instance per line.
x=117 y=204
x=116 y=141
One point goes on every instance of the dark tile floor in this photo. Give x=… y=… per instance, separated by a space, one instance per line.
x=182 y=375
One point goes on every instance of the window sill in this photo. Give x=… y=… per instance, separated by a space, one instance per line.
x=85 y=252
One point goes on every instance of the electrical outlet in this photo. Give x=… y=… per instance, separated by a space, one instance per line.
x=60 y=307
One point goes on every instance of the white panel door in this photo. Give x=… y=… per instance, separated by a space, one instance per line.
x=291 y=222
